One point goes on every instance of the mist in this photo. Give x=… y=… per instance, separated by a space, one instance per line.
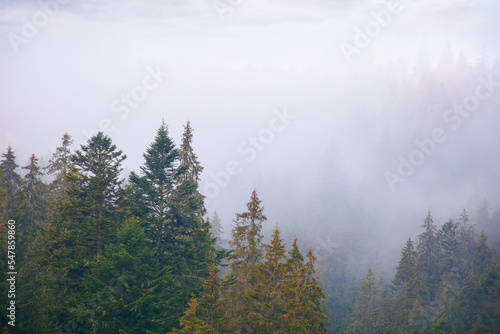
x=351 y=119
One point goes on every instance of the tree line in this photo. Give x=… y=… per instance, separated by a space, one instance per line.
x=446 y=282
x=100 y=254
x=96 y=253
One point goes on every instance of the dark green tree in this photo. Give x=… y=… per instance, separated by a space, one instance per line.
x=428 y=256
x=60 y=166
x=406 y=266
x=76 y=234
x=154 y=187
x=172 y=209
x=126 y=290
x=365 y=313
x=32 y=211
x=10 y=179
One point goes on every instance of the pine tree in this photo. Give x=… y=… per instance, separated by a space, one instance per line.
x=10 y=179
x=98 y=186
x=216 y=230
x=154 y=188
x=33 y=206
x=267 y=311
x=428 y=256
x=126 y=290
x=191 y=324
x=172 y=208
x=246 y=233
x=364 y=317
x=60 y=165
x=313 y=297
x=404 y=270
x=466 y=246
x=206 y=313
x=76 y=233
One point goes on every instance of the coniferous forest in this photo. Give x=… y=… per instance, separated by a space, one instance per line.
x=251 y=167
x=98 y=253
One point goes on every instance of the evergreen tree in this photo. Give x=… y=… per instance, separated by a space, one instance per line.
x=448 y=239
x=404 y=270
x=60 y=165
x=97 y=188
x=76 y=234
x=364 y=317
x=313 y=297
x=154 y=188
x=33 y=206
x=10 y=179
x=216 y=230
x=267 y=311
x=206 y=313
x=246 y=233
x=126 y=290
x=466 y=246
x=247 y=252
x=428 y=256
x=172 y=208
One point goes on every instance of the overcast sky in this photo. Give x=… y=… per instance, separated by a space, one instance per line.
x=231 y=67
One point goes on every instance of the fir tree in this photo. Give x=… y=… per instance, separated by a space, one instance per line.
x=172 y=208
x=206 y=313
x=267 y=311
x=404 y=270
x=33 y=206
x=155 y=186
x=428 y=252
x=60 y=165
x=10 y=179
x=246 y=233
x=97 y=188
x=126 y=290
x=76 y=234
x=216 y=230
x=247 y=252
x=364 y=317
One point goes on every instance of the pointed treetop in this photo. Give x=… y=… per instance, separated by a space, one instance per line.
x=188 y=159
x=161 y=157
x=276 y=250
x=255 y=211
x=8 y=167
x=95 y=157
x=60 y=161
x=295 y=255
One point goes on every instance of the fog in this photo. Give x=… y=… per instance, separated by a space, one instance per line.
x=346 y=145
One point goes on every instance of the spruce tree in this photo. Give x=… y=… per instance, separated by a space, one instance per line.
x=33 y=206
x=97 y=188
x=246 y=233
x=247 y=252
x=313 y=297
x=267 y=299
x=172 y=210
x=126 y=290
x=364 y=317
x=154 y=188
x=428 y=256
x=10 y=179
x=60 y=165
x=205 y=314
x=76 y=234
x=404 y=270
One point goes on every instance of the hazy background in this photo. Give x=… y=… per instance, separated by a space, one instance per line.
x=232 y=64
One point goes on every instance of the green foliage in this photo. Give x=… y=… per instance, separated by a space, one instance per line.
x=126 y=289
x=429 y=293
